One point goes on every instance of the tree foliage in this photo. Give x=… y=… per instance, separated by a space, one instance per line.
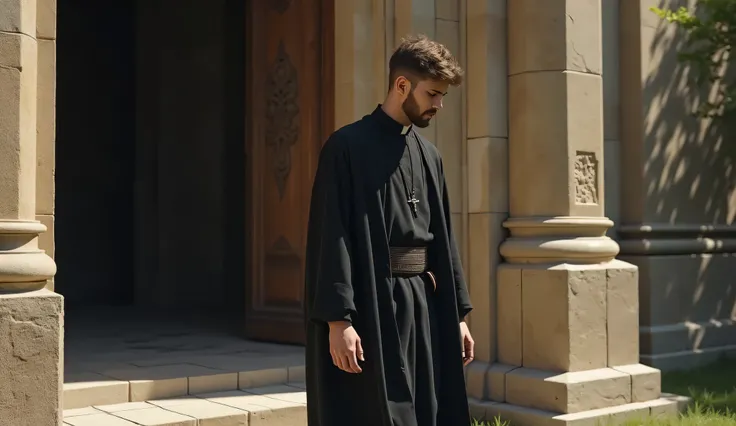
x=710 y=31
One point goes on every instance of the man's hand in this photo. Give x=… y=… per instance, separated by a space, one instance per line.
x=468 y=343
x=345 y=347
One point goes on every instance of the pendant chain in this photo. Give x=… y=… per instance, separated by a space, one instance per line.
x=411 y=197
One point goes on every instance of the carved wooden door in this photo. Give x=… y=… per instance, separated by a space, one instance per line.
x=289 y=100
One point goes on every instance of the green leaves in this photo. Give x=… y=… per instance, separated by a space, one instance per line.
x=710 y=32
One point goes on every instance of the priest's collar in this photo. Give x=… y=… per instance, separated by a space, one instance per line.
x=389 y=124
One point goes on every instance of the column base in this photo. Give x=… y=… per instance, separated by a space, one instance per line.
x=583 y=390
x=31 y=356
x=23 y=266
x=666 y=406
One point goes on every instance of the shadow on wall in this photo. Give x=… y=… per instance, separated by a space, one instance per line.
x=690 y=166
x=689 y=172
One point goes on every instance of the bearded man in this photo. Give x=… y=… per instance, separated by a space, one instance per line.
x=386 y=297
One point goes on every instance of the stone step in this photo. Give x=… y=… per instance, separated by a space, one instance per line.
x=666 y=406
x=278 y=405
x=141 y=384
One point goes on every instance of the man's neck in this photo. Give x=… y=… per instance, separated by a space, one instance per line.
x=395 y=112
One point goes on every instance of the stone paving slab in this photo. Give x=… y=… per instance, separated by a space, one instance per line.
x=86 y=389
x=282 y=405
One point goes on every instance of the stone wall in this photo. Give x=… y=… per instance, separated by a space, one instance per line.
x=677 y=195
x=487 y=156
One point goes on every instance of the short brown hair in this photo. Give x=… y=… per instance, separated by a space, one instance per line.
x=424 y=59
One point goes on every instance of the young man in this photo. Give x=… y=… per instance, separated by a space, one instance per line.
x=386 y=298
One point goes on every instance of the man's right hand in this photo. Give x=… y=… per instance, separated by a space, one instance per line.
x=345 y=347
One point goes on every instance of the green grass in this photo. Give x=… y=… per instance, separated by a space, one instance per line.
x=495 y=422
x=712 y=389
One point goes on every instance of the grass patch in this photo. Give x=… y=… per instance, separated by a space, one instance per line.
x=495 y=422
x=712 y=388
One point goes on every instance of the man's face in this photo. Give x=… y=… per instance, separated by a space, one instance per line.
x=424 y=101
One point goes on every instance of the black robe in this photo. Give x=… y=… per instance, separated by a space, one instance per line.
x=348 y=277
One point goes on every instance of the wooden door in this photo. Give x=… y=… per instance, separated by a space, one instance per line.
x=289 y=115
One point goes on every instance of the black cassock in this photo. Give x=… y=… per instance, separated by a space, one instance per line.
x=413 y=373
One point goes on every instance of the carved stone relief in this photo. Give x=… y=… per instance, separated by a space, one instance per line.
x=282 y=128
x=586 y=178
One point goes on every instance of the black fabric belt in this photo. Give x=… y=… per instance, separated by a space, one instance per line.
x=408 y=260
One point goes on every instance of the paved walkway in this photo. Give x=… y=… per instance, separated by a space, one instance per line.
x=125 y=363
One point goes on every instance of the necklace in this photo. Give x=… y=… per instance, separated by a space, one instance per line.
x=411 y=196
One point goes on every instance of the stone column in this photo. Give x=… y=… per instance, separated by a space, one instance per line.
x=46 y=124
x=30 y=316
x=567 y=310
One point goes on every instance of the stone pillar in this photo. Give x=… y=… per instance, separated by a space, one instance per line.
x=567 y=310
x=46 y=124
x=30 y=316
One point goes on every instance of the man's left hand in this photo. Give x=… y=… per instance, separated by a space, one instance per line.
x=468 y=343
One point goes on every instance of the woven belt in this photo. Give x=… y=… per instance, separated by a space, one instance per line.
x=408 y=260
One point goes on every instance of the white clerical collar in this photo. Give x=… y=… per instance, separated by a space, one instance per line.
x=405 y=130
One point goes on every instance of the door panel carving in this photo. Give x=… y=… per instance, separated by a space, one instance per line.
x=289 y=98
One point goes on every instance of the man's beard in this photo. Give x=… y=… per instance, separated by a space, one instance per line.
x=411 y=109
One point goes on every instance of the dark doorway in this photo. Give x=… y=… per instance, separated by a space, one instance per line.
x=150 y=154
x=95 y=151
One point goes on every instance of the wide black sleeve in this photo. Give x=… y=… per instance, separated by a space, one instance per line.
x=329 y=287
x=461 y=288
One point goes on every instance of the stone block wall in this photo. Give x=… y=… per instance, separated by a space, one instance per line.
x=677 y=187
x=487 y=163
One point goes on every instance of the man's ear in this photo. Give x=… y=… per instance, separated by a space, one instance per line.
x=402 y=85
